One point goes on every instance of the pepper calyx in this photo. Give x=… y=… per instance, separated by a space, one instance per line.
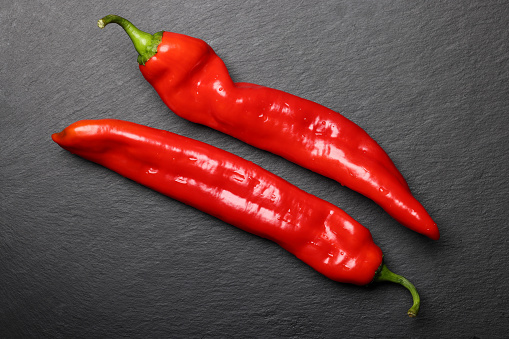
x=150 y=49
x=145 y=43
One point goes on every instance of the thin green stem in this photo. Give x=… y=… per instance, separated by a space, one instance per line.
x=144 y=43
x=386 y=275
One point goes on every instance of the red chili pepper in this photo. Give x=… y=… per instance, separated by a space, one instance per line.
x=194 y=83
x=238 y=192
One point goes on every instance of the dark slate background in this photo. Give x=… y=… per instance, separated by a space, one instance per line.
x=85 y=253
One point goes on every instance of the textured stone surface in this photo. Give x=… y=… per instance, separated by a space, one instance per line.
x=87 y=253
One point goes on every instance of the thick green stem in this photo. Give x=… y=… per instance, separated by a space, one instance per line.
x=384 y=274
x=144 y=43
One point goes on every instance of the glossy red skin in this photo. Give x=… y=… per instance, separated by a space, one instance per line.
x=194 y=83
x=232 y=189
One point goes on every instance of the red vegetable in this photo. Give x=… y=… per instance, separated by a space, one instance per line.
x=238 y=192
x=194 y=83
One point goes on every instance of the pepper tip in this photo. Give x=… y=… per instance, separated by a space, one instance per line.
x=434 y=233
x=57 y=137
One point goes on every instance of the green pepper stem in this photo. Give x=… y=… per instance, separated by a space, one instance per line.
x=144 y=43
x=386 y=275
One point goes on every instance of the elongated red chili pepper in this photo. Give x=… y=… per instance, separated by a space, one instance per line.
x=238 y=192
x=194 y=83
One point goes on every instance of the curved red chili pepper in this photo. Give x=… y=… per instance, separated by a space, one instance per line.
x=238 y=192
x=194 y=83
